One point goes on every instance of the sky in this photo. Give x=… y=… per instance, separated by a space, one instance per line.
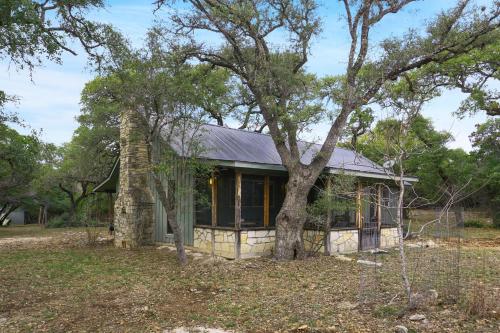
x=49 y=98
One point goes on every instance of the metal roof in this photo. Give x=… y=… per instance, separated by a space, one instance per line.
x=228 y=144
x=252 y=150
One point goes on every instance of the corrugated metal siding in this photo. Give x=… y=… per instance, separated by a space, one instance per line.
x=184 y=183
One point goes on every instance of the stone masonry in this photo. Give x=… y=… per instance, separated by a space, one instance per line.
x=134 y=204
x=388 y=237
x=256 y=243
x=344 y=241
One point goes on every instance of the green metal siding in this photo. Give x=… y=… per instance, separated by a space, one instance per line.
x=184 y=184
x=184 y=181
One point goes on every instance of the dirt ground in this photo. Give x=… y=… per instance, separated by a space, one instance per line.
x=52 y=281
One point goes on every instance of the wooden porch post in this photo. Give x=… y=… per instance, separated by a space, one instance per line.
x=237 y=213
x=379 y=206
x=328 y=222
x=359 y=215
x=237 y=200
x=213 y=186
x=266 y=201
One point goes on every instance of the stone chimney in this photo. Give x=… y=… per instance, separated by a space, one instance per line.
x=134 y=204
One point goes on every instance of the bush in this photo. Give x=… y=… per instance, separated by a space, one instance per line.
x=92 y=231
x=480 y=302
x=474 y=224
x=59 y=221
x=496 y=219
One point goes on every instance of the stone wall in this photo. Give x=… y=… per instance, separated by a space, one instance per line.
x=388 y=237
x=225 y=243
x=215 y=241
x=256 y=243
x=133 y=218
x=314 y=240
x=202 y=240
x=344 y=241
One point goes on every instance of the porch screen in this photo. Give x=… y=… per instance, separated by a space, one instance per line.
x=203 y=200
x=344 y=213
x=252 y=201
x=225 y=198
x=276 y=197
x=389 y=206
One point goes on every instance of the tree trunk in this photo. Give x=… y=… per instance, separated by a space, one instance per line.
x=45 y=211
x=459 y=216
x=402 y=253
x=290 y=220
x=168 y=203
x=6 y=213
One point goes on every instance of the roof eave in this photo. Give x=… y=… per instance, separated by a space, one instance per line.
x=275 y=167
x=101 y=185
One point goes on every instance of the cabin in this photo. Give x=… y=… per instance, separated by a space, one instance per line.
x=245 y=191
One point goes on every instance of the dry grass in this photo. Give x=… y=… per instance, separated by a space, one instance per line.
x=62 y=285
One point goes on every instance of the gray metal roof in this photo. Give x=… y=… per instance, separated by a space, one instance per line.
x=245 y=149
x=228 y=144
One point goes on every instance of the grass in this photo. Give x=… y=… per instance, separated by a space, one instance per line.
x=471 y=232
x=33 y=230
x=62 y=286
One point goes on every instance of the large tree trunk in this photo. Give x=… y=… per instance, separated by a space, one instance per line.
x=290 y=220
x=168 y=203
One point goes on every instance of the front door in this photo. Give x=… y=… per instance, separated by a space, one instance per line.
x=370 y=231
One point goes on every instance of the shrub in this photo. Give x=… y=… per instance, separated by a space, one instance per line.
x=386 y=311
x=59 y=221
x=92 y=231
x=474 y=224
x=480 y=302
x=496 y=219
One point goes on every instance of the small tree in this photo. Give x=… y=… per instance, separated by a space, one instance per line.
x=487 y=161
x=34 y=30
x=19 y=164
x=159 y=87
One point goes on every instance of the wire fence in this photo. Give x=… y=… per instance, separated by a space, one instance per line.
x=440 y=269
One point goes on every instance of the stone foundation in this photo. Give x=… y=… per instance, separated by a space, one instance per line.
x=388 y=237
x=314 y=241
x=259 y=243
x=256 y=243
x=344 y=241
x=216 y=241
x=202 y=240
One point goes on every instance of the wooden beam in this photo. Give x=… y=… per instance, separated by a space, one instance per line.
x=213 y=184
x=359 y=215
x=266 y=201
x=237 y=200
x=379 y=206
